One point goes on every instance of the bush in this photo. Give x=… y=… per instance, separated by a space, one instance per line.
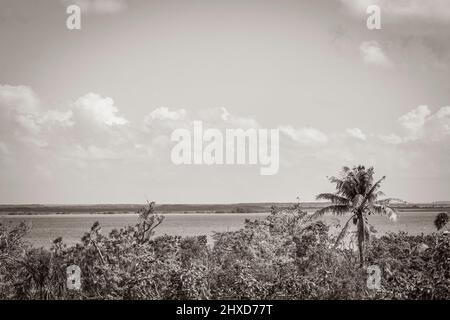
x=415 y=267
x=285 y=256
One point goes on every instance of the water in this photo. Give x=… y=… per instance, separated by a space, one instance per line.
x=46 y=228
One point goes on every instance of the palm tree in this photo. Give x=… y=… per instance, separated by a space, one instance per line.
x=356 y=193
x=441 y=220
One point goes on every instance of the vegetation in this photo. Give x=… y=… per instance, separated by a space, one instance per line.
x=240 y=210
x=441 y=221
x=288 y=255
x=285 y=256
x=356 y=193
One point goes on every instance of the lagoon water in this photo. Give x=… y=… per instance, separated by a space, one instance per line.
x=46 y=228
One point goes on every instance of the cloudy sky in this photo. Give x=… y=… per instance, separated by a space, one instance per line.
x=86 y=116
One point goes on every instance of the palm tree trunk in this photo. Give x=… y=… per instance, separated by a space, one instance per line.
x=361 y=239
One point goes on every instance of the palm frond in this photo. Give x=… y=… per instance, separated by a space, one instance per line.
x=334 y=198
x=376 y=186
x=369 y=195
x=337 y=209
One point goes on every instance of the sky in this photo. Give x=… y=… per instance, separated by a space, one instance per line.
x=86 y=115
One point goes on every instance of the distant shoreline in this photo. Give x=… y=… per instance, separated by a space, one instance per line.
x=238 y=208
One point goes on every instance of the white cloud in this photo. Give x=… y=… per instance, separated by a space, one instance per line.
x=443 y=113
x=222 y=117
x=421 y=124
x=29 y=122
x=356 y=133
x=99 y=6
x=164 y=113
x=305 y=136
x=89 y=138
x=437 y=126
x=58 y=118
x=90 y=125
x=22 y=118
x=162 y=121
x=372 y=53
x=19 y=111
x=414 y=120
x=100 y=109
x=415 y=32
x=19 y=99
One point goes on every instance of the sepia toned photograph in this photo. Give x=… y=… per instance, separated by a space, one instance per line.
x=251 y=151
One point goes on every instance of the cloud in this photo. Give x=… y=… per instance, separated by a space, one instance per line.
x=58 y=118
x=19 y=114
x=91 y=140
x=372 y=53
x=443 y=113
x=416 y=32
x=421 y=125
x=356 y=133
x=414 y=120
x=164 y=113
x=99 y=109
x=421 y=149
x=93 y=122
x=19 y=106
x=19 y=99
x=99 y=7
x=437 y=126
x=223 y=118
x=305 y=136
x=91 y=126
x=164 y=118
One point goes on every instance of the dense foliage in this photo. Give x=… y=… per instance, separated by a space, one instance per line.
x=286 y=256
